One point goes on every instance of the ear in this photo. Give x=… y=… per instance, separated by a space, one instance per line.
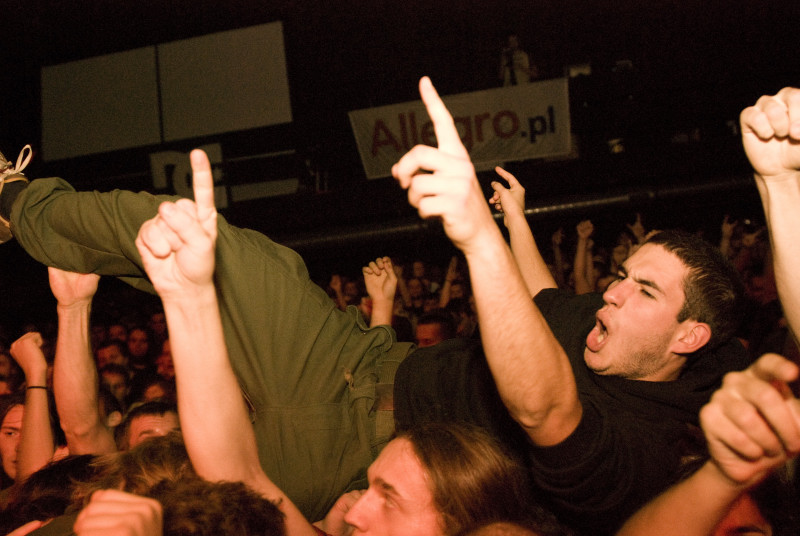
x=692 y=336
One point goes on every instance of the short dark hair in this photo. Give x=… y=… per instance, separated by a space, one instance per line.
x=441 y=317
x=154 y=407
x=713 y=289
x=48 y=492
x=115 y=368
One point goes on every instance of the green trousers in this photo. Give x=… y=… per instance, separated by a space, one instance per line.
x=308 y=369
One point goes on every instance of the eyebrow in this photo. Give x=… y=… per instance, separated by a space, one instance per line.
x=387 y=488
x=645 y=282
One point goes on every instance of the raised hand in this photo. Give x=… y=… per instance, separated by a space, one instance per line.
x=70 y=288
x=584 y=229
x=449 y=190
x=511 y=199
x=752 y=423
x=177 y=246
x=728 y=227
x=334 y=523
x=558 y=237
x=771 y=133
x=380 y=279
x=638 y=229
x=116 y=513
x=27 y=352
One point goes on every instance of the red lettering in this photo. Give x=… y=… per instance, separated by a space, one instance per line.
x=466 y=135
x=498 y=124
x=381 y=135
x=479 y=119
x=428 y=134
x=403 y=131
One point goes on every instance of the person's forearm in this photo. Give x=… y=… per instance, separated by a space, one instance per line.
x=75 y=385
x=531 y=370
x=582 y=285
x=216 y=429
x=693 y=507
x=36 y=438
x=523 y=245
x=558 y=266
x=781 y=201
x=382 y=312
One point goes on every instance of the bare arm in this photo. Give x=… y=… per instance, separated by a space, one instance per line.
x=75 y=380
x=531 y=370
x=770 y=134
x=558 y=259
x=583 y=257
x=177 y=248
x=511 y=201
x=752 y=425
x=36 y=445
x=452 y=272
x=336 y=286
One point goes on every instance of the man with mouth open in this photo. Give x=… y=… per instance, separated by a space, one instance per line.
x=604 y=390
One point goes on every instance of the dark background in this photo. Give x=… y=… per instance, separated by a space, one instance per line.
x=695 y=65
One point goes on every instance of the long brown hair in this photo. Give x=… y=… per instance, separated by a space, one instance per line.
x=472 y=479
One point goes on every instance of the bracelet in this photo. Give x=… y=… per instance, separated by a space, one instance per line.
x=36 y=387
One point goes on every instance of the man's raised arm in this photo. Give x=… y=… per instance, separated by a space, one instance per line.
x=75 y=381
x=177 y=248
x=752 y=425
x=511 y=201
x=531 y=370
x=771 y=138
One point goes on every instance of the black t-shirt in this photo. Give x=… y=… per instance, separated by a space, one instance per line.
x=632 y=435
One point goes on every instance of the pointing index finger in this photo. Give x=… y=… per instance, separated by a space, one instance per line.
x=446 y=132
x=202 y=183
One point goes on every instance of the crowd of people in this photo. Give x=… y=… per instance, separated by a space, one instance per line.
x=610 y=388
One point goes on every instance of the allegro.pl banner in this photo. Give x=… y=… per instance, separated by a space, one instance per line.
x=496 y=125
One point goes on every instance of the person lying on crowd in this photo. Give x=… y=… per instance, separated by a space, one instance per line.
x=269 y=308
x=435 y=480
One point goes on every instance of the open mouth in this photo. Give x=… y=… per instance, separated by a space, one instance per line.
x=597 y=337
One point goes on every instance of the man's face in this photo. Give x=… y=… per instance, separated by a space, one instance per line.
x=9 y=439
x=138 y=343
x=118 y=332
x=429 y=334
x=164 y=364
x=110 y=354
x=117 y=384
x=158 y=323
x=398 y=501
x=637 y=326
x=145 y=426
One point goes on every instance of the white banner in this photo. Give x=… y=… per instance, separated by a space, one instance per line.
x=496 y=125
